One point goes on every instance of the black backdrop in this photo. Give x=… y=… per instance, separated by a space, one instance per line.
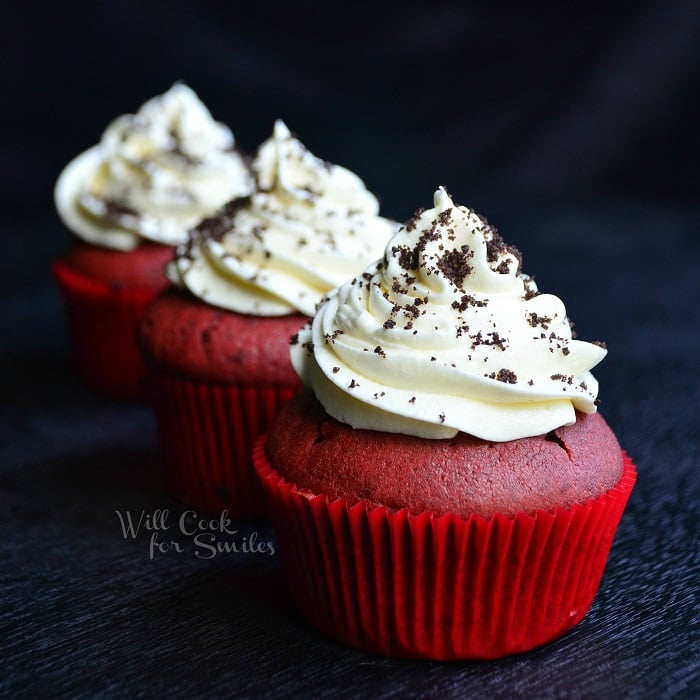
x=572 y=126
x=552 y=99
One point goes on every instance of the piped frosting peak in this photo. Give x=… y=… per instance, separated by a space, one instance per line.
x=445 y=333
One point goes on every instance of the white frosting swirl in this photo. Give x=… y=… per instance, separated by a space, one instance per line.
x=154 y=175
x=309 y=226
x=444 y=334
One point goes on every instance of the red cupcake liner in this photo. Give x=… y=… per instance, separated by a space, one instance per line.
x=103 y=324
x=206 y=435
x=442 y=588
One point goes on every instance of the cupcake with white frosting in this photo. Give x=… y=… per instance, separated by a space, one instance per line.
x=245 y=282
x=444 y=486
x=129 y=200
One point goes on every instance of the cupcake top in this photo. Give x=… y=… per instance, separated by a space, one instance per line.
x=446 y=334
x=309 y=226
x=153 y=176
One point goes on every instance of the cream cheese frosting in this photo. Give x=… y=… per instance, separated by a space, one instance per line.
x=309 y=226
x=446 y=334
x=153 y=176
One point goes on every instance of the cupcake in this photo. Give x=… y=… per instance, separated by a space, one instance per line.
x=217 y=342
x=130 y=200
x=444 y=487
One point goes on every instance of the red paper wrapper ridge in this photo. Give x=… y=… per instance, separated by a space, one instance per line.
x=441 y=588
x=103 y=324
x=206 y=434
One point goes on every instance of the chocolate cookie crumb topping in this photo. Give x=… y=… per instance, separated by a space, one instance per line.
x=114 y=209
x=215 y=227
x=453 y=264
x=444 y=217
x=535 y=320
x=504 y=375
x=467 y=300
x=497 y=247
x=413 y=221
x=566 y=378
x=408 y=257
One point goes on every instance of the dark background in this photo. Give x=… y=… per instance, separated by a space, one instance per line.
x=572 y=126
x=532 y=99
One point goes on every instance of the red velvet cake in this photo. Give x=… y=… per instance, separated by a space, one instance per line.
x=141 y=268
x=188 y=338
x=464 y=475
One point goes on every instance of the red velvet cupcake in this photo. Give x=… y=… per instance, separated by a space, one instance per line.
x=105 y=293
x=218 y=347
x=130 y=200
x=450 y=492
x=217 y=381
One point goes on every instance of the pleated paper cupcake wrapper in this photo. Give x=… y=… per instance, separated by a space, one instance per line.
x=444 y=587
x=206 y=435
x=103 y=324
